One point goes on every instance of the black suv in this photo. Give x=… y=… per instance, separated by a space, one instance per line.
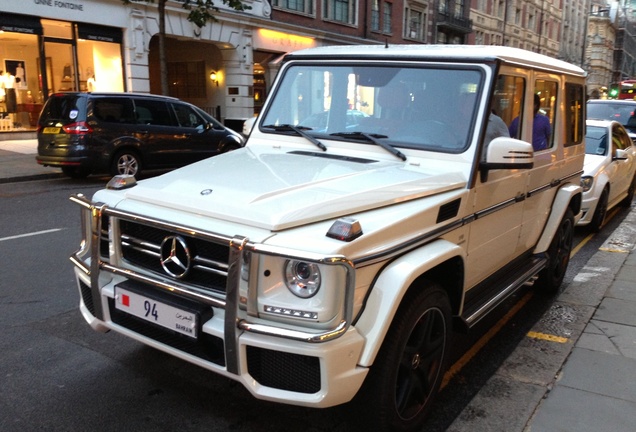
x=121 y=133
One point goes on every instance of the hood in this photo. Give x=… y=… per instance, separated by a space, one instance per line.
x=277 y=190
x=592 y=164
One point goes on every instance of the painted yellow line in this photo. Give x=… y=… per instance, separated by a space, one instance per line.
x=547 y=337
x=613 y=250
x=459 y=364
x=578 y=247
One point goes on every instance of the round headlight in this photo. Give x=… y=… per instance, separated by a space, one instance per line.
x=302 y=278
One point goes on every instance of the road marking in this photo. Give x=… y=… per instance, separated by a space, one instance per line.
x=580 y=245
x=31 y=234
x=547 y=337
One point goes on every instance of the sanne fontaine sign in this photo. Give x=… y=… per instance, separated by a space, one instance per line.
x=59 y=4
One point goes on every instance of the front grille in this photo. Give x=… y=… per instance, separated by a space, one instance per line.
x=141 y=247
x=285 y=371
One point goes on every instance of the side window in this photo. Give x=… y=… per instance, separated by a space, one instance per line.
x=620 y=138
x=113 y=110
x=574 y=114
x=507 y=101
x=545 y=103
x=187 y=117
x=153 y=112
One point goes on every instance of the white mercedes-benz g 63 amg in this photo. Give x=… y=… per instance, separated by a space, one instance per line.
x=379 y=204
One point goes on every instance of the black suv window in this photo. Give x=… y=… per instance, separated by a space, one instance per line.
x=153 y=112
x=65 y=109
x=114 y=110
x=187 y=116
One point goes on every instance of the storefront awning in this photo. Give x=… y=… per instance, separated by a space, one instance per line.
x=20 y=23
x=99 y=33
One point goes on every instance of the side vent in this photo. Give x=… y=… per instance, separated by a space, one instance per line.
x=448 y=210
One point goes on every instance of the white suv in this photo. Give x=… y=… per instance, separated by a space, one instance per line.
x=316 y=265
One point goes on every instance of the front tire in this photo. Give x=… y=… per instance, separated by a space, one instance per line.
x=599 y=214
x=408 y=370
x=551 y=277
x=126 y=162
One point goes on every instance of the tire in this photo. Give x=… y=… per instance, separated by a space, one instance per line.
x=551 y=277
x=405 y=378
x=126 y=162
x=627 y=202
x=599 y=214
x=75 y=172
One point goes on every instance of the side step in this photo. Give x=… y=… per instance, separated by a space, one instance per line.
x=500 y=289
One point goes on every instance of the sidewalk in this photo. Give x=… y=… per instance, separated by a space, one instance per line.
x=574 y=372
x=17 y=162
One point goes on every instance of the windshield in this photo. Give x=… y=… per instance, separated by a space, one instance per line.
x=622 y=112
x=596 y=140
x=430 y=107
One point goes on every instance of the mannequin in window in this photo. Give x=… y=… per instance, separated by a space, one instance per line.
x=11 y=101
x=20 y=78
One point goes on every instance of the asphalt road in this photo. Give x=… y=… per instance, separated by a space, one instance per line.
x=59 y=375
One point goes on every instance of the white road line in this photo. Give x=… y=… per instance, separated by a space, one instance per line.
x=31 y=234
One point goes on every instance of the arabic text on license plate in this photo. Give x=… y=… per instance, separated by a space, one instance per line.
x=51 y=130
x=151 y=310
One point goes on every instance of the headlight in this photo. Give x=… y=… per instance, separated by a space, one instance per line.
x=302 y=278
x=586 y=183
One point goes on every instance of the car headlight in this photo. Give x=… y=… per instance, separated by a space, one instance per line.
x=302 y=278
x=586 y=183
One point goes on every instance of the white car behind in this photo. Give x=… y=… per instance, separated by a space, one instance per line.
x=609 y=177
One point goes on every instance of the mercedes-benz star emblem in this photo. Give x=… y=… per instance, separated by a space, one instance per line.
x=175 y=256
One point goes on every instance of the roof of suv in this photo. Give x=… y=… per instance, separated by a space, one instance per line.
x=444 y=52
x=114 y=94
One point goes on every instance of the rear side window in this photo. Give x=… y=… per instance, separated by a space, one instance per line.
x=63 y=109
x=153 y=112
x=574 y=114
x=113 y=110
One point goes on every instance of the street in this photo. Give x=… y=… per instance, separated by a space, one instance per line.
x=59 y=375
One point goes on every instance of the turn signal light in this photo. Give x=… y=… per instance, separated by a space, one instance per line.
x=345 y=229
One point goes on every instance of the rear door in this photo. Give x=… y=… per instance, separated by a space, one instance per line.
x=157 y=129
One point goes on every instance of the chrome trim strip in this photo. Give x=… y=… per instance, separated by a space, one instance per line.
x=511 y=288
x=295 y=335
x=166 y=286
x=96 y=235
x=232 y=354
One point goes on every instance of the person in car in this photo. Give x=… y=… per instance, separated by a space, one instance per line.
x=541 y=129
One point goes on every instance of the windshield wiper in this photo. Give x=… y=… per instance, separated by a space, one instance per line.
x=374 y=138
x=300 y=130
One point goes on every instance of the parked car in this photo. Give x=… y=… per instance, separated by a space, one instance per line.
x=622 y=111
x=334 y=264
x=125 y=133
x=609 y=176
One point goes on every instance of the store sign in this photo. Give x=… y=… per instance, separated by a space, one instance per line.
x=61 y=4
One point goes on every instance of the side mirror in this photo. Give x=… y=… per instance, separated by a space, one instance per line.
x=506 y=153
x=620 y=155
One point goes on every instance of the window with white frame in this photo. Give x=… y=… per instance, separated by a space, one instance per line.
x=414 y=24
x=343 y=11
x=304 y=6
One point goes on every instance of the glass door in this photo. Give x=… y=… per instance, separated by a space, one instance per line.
x=60 y=67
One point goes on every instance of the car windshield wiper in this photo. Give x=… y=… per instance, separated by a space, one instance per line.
x=300 y=130
x=374 y=138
